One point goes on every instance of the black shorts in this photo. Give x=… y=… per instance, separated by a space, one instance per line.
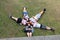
x=43 y=26
x=29 y=31
x=19 y=20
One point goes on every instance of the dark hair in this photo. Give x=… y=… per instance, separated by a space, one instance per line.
x=29 y=26
x=28 y=20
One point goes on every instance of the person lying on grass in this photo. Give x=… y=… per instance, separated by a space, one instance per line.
x=29 y=30
x=34 y=19
x=41 y=26
x=26 y=17
x=23 y=20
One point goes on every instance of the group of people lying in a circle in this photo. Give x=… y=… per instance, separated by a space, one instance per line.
x=32 y=22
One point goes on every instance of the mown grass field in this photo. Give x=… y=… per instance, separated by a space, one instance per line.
x=9 y=28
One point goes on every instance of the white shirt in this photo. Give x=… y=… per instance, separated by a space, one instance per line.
x=32 y=20
x=26 y=17
x=24 y=21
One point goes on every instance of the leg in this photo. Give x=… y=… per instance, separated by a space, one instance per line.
x=42 y=11
x=14 y=18
x=28 y=34
x=25 y=13
x=18 y=20
x=46 y=28
x=39 y=14
x=49 y=28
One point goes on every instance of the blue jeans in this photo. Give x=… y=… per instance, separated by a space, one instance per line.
x=25 y=14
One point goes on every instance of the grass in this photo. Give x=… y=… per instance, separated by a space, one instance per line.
x=9 y=28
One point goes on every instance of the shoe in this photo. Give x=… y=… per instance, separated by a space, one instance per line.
x=44 y=9
x=24 y=8
x=10 y=16
x=53 y=30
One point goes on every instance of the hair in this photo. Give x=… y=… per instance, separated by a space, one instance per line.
x=29 y=26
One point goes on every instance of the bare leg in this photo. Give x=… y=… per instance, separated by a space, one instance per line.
x=25 y=13
x=28 y=34
x=24 y=9
x=43 y=11
x=37 y=16
x=49 y=28
x=14 y=18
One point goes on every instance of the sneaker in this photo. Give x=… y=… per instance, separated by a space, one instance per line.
x=24 y=8
x=53 y=30
x=10 y=16
x=44 y=9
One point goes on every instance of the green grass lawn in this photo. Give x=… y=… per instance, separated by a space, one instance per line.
x=9 y=28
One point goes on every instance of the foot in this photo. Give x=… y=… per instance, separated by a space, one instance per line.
x=24 y=8
x=53 y=30
x=10 y=16
x=44 y=9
